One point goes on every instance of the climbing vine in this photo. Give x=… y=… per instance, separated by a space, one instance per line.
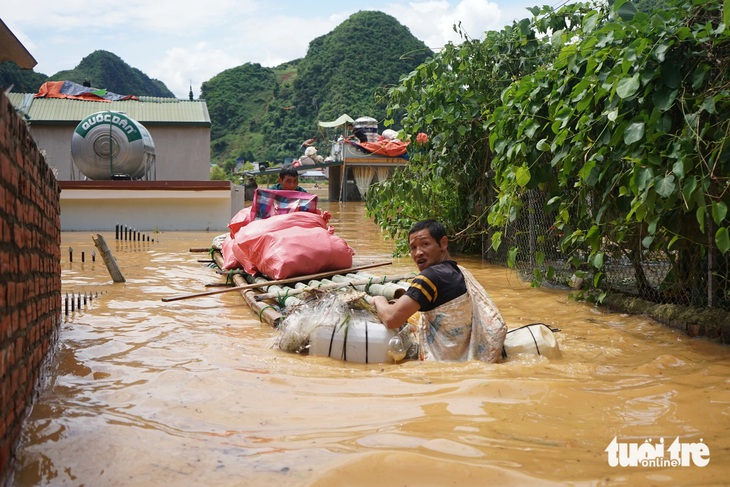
x=626 y=132
x=618 y=115
x=451 y=97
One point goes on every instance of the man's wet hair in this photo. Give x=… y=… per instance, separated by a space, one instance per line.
x=435 y=229
x=288 y=171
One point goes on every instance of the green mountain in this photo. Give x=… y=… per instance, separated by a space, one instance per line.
x=21 y=80
x=103 y=70
x=106 y=70
x=264 y=114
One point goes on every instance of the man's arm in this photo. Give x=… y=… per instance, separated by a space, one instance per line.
x=395 y=314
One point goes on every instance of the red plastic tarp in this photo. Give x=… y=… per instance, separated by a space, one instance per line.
x=69 y=89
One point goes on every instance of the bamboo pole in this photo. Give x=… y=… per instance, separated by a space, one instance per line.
x=106 y=254
x=266 y=283
x=329 y=286
x=265 y=312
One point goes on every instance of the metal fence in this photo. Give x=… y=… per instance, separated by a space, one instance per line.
x=692 y=276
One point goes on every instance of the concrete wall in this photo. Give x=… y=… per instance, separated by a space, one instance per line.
x=182 y=153
x=30 y=274
x=149 y=205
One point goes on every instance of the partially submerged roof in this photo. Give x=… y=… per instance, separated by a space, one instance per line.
x=147 y=111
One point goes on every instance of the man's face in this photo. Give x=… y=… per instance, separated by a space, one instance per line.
x=425 y=251
x=289 y=183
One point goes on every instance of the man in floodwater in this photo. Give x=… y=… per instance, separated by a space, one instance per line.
x=458 y=319
x=289 y=180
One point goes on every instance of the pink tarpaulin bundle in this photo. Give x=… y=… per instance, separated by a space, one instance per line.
x=269 y=202
x=288 y=245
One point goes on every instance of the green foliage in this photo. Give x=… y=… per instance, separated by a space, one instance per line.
x=236 y=98
x=632 y=119
x=106 y=70
x=451 y=97
x=618 y=114
x=22 y=80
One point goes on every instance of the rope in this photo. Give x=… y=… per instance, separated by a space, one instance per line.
x=367 y=286
x=281 y=299
x=554 y=330
x=367 y=342
x=261 y=313
x=332 y=338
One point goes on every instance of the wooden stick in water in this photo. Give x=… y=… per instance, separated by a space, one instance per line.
x=290 y=280
x=109 y=260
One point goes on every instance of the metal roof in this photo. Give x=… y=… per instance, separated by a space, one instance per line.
x=148 y=110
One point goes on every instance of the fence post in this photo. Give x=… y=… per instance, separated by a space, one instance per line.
x=710 y=264
x=106 y=254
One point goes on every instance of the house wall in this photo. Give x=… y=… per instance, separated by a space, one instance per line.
x=30 y=274
x=182 y=153
x=148 y=205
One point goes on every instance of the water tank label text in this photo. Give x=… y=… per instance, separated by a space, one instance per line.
x=126 y=125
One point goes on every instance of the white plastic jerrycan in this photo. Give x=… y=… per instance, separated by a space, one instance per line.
x=358 y=341
x=537 y=338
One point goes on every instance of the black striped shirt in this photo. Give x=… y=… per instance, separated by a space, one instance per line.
x=437 y=285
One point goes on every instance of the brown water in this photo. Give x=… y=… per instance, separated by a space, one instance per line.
x=142 y=392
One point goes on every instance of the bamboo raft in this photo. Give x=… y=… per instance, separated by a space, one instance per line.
x=270 y=299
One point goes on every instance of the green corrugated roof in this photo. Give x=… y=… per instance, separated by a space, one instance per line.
x=147 y=111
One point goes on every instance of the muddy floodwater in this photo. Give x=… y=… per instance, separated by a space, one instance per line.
x=142 y=392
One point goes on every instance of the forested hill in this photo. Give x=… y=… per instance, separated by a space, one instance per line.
x=264 y=114
x=103 y=70
x=106 y=70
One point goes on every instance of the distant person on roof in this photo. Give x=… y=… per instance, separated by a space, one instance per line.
x=309 y=142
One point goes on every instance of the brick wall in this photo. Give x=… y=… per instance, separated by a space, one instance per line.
x=30 y=274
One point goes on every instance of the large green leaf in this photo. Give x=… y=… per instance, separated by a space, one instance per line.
x=523 y=176
x=719 y=212
x=512 y=257
x=627 y=11
x=688 y=190
x=628 y=86
x=665 y=185
x=664 y=98
x=634 y=132
x=496 y=240
x=722 y=239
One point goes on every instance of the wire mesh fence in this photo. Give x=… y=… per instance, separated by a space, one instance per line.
x=691 y=275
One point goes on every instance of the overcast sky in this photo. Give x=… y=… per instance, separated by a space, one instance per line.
x=181 y=42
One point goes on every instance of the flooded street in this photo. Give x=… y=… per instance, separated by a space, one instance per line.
x=142 y=392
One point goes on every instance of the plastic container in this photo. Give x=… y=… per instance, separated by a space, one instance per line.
x=110 y=145
x=365 y=342
x=369 y=126
x=536 y=339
